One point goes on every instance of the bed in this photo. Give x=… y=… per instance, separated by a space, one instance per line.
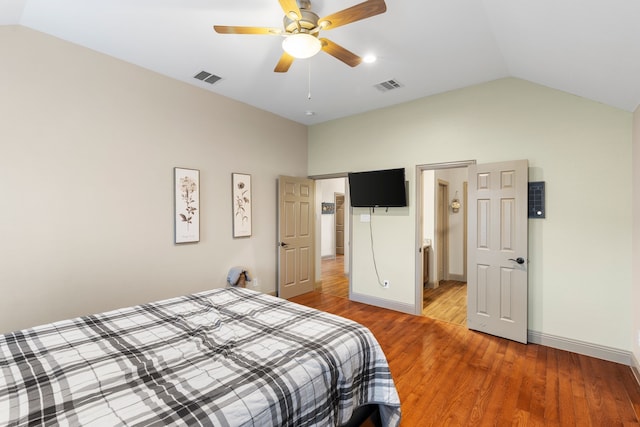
x=224 y=357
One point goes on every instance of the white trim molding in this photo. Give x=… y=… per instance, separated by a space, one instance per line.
x=575 y=346
x=382 y=303
x=635 y=367
x=581 y=347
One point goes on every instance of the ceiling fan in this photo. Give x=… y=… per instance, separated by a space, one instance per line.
x=302 y=28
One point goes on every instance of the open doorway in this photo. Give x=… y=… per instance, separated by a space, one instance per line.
x=332 y=198
x=443 y=230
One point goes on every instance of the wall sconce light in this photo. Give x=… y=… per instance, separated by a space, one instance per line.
x=455 y=204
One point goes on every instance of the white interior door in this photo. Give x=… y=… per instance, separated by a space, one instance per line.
x=497 y=249
x=296 y=261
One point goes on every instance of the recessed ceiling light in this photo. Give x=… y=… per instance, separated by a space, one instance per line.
x=369 y=59
x=309 y=113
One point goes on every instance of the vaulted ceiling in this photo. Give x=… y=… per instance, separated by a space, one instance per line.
x=589 y=48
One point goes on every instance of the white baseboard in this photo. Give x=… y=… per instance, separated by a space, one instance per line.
x=382 y=303
x=457 y=277
x=598 y=351
x=635 y=367
x=581 y=347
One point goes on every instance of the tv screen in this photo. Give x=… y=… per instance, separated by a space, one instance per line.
x=380 y=188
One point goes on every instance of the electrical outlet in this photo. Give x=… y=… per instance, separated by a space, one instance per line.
x=255 y=283
x=385 y=284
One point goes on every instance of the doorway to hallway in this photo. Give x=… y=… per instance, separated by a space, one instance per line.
x=333 y=231
x=447 y=302
x=334 y=281
x=443 y=231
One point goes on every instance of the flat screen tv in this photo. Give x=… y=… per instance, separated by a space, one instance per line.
x=380 y=188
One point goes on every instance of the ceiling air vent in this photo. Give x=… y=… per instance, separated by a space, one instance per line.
x=388 y=85
x=207 y=77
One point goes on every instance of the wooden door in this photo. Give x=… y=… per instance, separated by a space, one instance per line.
x=442 y=232
x=497 y=270
x=339 y=215
x=296 y=262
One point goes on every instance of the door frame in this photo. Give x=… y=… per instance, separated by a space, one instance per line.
x=348 y=217
x=441 y=250
x=419 y=218
x=335 y=222
x=465 y=229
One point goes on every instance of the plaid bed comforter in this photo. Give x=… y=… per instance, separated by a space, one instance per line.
x=225 y=357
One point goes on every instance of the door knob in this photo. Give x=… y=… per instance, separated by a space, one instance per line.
x=519 y=260
x=283 y=244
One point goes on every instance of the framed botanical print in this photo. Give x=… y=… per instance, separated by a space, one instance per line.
x=241 y=202
x=186 y=184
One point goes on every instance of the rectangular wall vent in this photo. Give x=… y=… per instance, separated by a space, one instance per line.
x=207 y=77
x=388 y=85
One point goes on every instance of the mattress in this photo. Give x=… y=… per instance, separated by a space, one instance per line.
x=224 y=357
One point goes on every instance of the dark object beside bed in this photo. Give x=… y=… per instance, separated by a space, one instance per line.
x=225 y=357
x=363 y=413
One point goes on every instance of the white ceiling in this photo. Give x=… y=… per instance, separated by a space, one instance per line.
x=589 y=48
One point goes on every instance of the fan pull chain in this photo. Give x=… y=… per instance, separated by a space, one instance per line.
x=309 y=81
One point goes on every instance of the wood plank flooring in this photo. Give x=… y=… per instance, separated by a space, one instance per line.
x=447 y=302
x=334 y=281
x=448 y=375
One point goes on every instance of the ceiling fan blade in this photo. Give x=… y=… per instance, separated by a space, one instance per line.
x=355 y=13
x=338 y=52
x=224 y=29
x=284 y=63
x=291 y=9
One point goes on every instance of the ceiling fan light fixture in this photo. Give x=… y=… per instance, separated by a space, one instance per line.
x=301 y=45
x=369 y=59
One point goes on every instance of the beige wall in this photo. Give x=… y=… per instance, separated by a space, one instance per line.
x=89 y=144
x=580 y=255
x=635 y=305
x=429 y=220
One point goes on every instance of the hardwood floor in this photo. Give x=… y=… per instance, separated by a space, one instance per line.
x=334 y=281
x=447 y=302
x=448 y=375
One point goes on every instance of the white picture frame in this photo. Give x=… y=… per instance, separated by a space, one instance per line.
x=241 y=204
x=186 y=184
